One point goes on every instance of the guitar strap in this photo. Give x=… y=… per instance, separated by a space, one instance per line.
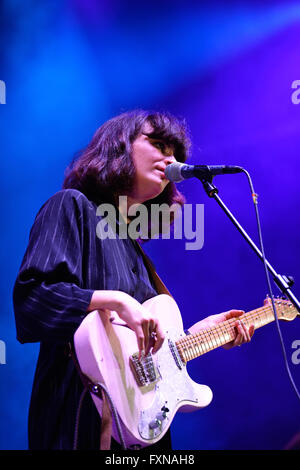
x=160 y=286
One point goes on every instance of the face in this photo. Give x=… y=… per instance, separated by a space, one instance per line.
x=150 y=157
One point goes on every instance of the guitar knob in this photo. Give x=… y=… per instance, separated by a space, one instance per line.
x=161 y=416
x=154 y=424
x=163 y=413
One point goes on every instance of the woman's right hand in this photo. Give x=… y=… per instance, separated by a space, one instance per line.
x=145 y=325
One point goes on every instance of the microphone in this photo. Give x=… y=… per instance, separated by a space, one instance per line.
x=177 y=172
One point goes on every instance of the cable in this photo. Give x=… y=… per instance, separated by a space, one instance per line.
x=255 y=198
x=77 y=419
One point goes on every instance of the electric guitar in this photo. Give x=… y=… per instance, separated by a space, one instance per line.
x=147 y=392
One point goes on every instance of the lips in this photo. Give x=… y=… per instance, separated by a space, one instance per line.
x=160 y=167
x=161 y=171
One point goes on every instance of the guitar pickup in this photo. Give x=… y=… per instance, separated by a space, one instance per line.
x=143 y=369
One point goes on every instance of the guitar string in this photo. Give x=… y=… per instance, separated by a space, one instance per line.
x=190 y=348
x=191 y=342
x=225 y=323
x=247 y=317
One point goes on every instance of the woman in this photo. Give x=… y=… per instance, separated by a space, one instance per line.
x=68 y=270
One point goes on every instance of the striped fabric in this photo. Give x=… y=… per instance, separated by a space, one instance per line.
x=65 y=262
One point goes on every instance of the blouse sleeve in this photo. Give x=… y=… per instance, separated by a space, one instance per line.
x=49 y=299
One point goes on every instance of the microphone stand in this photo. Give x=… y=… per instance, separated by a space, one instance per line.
x=284 y=283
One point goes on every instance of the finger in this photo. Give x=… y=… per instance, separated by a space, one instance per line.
x=145 y=327
x=152 y=333
x=250 y=332
x=245 y=333
x=140 y=341
x=234 y=314
x=152 y=329
x=238 y=340
x=160 y=336
x=241 y=335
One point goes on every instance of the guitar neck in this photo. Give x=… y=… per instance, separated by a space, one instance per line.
x=195 y=345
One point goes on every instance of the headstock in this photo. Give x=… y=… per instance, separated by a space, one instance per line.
x=284 y=308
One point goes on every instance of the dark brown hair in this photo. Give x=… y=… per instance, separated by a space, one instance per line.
x=105 y=169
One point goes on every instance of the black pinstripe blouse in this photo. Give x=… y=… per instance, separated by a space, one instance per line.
x=65 y=262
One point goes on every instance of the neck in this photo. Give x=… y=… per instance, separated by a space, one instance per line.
x=124 y=204
x=195 y=345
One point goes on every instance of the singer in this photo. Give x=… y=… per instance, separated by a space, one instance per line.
x=67 y=271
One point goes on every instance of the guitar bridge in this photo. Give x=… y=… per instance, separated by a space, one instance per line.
x=143 y=369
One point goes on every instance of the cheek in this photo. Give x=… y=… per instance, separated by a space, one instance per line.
x=140 y=170
x=143 y=167
x=140 y=160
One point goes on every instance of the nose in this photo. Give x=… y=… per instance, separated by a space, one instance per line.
x=170 y=159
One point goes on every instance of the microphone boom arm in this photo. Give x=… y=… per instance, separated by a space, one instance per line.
x=283 y=282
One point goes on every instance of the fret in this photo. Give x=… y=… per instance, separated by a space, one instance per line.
x=205 y=337
x=195 y=345
x=198 y=348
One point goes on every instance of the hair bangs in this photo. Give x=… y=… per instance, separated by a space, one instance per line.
x=172 y=131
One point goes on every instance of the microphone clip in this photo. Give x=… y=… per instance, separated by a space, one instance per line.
x=208 y=185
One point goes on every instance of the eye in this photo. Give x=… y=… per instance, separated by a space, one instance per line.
x=159 y=145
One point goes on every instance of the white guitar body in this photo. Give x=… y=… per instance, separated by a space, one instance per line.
x=104 y=347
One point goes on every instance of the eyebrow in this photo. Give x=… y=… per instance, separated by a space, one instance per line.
x=153 y=136
x=158 y=138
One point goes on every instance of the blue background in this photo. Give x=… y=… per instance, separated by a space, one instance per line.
x=227 y=68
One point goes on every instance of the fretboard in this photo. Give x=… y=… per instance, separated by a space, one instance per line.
x=194 y=345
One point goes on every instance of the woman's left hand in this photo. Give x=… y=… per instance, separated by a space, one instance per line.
x=243 y=334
